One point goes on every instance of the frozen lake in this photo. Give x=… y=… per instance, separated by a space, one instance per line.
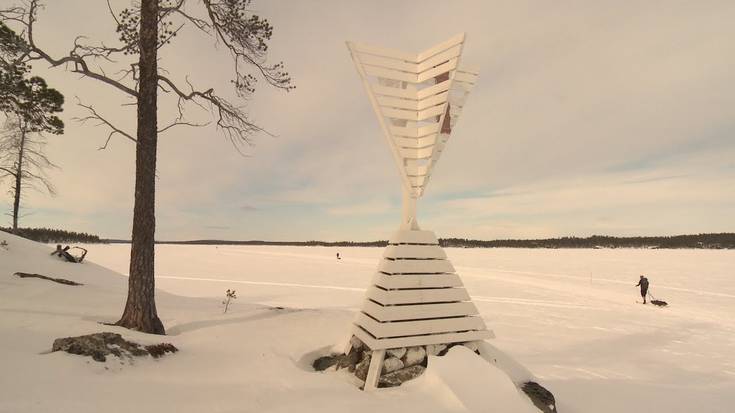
x=569 y=315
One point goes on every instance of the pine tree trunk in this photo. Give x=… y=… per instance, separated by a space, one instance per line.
x=19 y=177
x=140 y=310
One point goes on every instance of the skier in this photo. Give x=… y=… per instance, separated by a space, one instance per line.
x=643 y=283
x=338 y=257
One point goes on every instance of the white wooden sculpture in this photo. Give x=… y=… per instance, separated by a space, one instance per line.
x=416 y=298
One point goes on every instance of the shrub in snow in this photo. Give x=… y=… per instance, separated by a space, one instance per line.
x=229 y=295
x=159 y=350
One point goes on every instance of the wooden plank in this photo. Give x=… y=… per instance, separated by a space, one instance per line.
x=433 y=90
x=417 y=181
x=433 y=100
x=394 y=91
x=415 y=266
x=416 y=170
x=439 y=70
x=399 y=113
x=465 y=77
x=437 y=295
x=419 y=327
x=415 y=132
x=376 y=365
x=470 y=69
x=379 y=51
x=413 y=312
x=389 y=63
x=398 y=103
x=414 y=251
x=438 y=59
x=413 y=237
x=445 y=338
x=431 y=112
x=409 y=153
x=416 y=281
x=447 y=44
x=390 y=74
x=422 y=142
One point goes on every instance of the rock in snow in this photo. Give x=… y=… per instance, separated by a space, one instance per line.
x=100 y=345
x=414 y=356
x=540 y=396
x=396 y=352
x=435 y=349
x=392 y=364
x=361 y=370
x=398 y=377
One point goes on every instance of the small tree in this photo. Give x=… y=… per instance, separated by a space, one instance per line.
x=142 y=30
x=30 y=107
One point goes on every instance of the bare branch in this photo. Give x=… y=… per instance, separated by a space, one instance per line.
x=179 y=123
x=77 y=55
x=230 y=118
x=94 y=115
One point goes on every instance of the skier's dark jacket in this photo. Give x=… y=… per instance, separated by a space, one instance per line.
x=643 y=283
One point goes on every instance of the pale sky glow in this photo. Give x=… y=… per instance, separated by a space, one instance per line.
x=588 y=118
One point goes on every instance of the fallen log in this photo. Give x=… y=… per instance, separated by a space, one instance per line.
x=43 y=277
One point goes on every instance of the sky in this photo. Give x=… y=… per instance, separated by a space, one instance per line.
x=605 y=117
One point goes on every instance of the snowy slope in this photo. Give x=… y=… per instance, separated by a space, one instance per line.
x=253 y=359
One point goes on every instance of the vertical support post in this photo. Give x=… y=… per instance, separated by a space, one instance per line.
x=408 y=215
x=376 y=365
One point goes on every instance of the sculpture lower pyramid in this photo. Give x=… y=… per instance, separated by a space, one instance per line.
x=415 y=299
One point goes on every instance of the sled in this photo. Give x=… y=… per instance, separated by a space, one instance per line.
x=654 y=301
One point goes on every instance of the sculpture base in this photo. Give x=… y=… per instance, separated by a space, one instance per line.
x=416 y=299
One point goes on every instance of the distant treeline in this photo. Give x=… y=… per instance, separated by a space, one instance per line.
x=257 y=242
x=48 y=235
x=707 y=241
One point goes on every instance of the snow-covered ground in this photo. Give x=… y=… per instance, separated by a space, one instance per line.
x=570 y=316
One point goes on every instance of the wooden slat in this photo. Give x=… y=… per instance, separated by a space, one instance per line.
x=465 y=77
x=416 y=281
x=423 y=153
x=413 y=328
x=438 y=59
x=399 y=113
x=394 y=91
x=379 y=51
x=390 y=74
x=413 y=312
x=441 y=69
x=415 y=142
x=415 y=132
x=430 y=112
x=389 y=63
x=470 y=69
x=439 y=295
x=415 y=266
x=438 y=99
x=414 y=251
x=413 y=237
x=426 y=54
x=394 y=102
x=376 y=344
x=433 y=90
x=416 y=170
x=417 y=181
